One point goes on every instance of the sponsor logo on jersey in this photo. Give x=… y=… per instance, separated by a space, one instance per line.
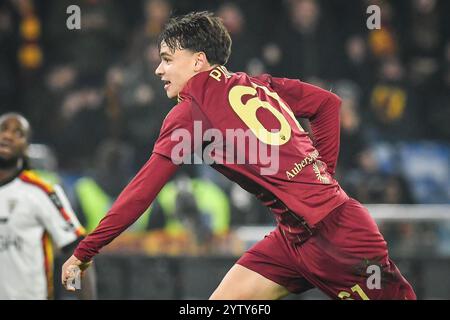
x=8 y=242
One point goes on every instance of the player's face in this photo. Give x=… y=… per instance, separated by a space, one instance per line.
x=176 y=68
x=14 y=132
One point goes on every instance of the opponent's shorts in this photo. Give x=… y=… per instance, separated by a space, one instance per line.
x=346 y=258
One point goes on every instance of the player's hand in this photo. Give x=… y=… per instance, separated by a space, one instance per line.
x=72 y=269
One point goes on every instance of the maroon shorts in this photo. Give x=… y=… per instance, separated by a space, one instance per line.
x=346 y=258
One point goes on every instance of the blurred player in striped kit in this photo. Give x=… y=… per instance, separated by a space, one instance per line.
x=33 y=216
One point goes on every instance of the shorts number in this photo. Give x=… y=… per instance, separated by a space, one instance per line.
x=247 y=112
x=344 y=295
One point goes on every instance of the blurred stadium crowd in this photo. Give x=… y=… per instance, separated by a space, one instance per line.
x=96 y=106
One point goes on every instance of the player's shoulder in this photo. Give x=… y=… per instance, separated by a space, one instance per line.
x=203 y=83
x=34 y=183
x=263 y=79
x=180 y=113
x=274 y=82
x=38 y=189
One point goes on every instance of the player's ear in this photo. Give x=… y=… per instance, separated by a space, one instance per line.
x=200 y=61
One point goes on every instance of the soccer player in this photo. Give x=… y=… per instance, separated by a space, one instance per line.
x=323 y=238
x=32 y=213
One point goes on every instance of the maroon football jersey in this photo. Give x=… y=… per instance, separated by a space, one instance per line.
x=285 y=170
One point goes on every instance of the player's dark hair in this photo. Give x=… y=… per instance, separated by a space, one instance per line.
x=198 y=31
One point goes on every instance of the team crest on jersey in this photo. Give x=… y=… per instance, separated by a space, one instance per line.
x=11 y=205
x=319 y=171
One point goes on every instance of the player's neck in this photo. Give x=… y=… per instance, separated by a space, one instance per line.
x=9 y=169
x=213 y=66
x=208 y=67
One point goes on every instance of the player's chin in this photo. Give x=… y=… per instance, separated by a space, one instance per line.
x=171 y=94
x=5 y=155
x=8 y=160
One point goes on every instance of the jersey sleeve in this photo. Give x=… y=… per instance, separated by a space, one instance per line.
x=57 y=216
x=175 y=139
x=129 y=206
x=321 y=107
